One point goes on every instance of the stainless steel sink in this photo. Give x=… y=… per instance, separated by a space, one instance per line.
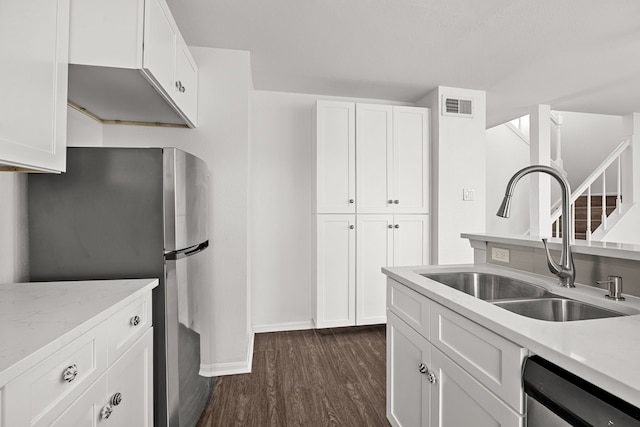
x=489 y=287
x=556 y=309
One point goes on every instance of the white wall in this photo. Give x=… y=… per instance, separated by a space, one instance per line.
x=586 y=140
x=458 y=162
x=506 y=154
x=222 y=140
x=14 y=250
x=281 y=208
x=82 y=131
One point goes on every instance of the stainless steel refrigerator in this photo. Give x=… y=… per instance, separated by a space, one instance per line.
x=134 y=213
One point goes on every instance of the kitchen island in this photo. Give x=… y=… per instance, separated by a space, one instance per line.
x=67 y=345
x=601 y=351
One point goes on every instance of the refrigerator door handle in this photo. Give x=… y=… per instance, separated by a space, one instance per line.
x=182 y=253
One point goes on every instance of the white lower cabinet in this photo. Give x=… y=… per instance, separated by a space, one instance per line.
x=426 y=387
x=105 y=374
x=385 y=240
x=335 y=276
x=408 y=390
x=350 y=251
x=121 y=396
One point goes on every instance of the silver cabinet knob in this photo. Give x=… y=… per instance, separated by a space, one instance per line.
x=422 y=368
x=116 y=399
x=352 y=201
x=135 y=320
x=183 y=89
x=390 y=201
x=177 y=85
x=390 y=226
x=351 y=227
x=106 y=411
x=431 y=377
x=396 y=201
x=70 y=373
x=396 y=226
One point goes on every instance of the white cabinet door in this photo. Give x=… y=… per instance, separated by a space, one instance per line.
x=410 y=160
x=159 y=45
x=410 y=240
x=335 y=157
x=132 y=377
x=34 y=46
x=374 y=161
x=335 y=275
x=186 y=83
x=460 y=400
x=374 y=251
x=408 y=391
x=86 y=410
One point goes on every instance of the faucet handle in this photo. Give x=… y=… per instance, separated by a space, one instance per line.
x=615 y=287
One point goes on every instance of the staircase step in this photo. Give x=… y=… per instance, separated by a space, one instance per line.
x=595 y=201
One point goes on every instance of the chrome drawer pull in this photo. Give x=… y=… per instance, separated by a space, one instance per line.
x=431 y=377
x=135 y=320
x=116 y=399
x=70 y=373
x=106 y=411
x=422 y=368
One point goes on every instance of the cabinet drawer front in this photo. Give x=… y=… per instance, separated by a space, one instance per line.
x=127 y=325
x=41 y=393
x=494 y=361
x=409 y=305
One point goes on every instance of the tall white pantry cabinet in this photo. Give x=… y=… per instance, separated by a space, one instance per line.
x=370 y=206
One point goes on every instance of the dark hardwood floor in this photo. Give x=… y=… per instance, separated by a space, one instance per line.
x=328 y=377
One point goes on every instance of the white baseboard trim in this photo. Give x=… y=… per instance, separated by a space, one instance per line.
x=287 y=326
x=230 y=368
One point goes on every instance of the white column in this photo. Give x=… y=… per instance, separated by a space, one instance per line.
x=631 y=161
x=540 y=154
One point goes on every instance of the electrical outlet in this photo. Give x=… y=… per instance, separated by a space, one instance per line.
x=500 y=254
x=468 y=194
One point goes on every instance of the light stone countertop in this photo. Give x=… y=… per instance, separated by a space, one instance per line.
x=605 y=352
x=39 y=318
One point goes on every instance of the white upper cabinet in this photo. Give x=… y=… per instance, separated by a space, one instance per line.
x=410 y=160
x=381 y=149
x=129 y=62
x=374 y=161
x=335 y=154
x=159 y=44
x=34 y=44
x=186 y=81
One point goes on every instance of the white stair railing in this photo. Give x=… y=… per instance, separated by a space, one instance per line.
x=585 y=188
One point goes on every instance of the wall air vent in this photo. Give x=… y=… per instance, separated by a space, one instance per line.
x=457 y=107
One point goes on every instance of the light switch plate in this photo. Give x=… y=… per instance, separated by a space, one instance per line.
x=468 y=194
x=500 y=254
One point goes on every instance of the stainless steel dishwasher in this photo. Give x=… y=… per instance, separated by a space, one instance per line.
x=556 y=398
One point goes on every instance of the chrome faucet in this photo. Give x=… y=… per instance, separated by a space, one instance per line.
x=566 y=271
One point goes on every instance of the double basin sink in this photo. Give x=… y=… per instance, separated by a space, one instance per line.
x=520 y=297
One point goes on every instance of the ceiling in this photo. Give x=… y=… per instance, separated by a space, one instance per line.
x=576 y=55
